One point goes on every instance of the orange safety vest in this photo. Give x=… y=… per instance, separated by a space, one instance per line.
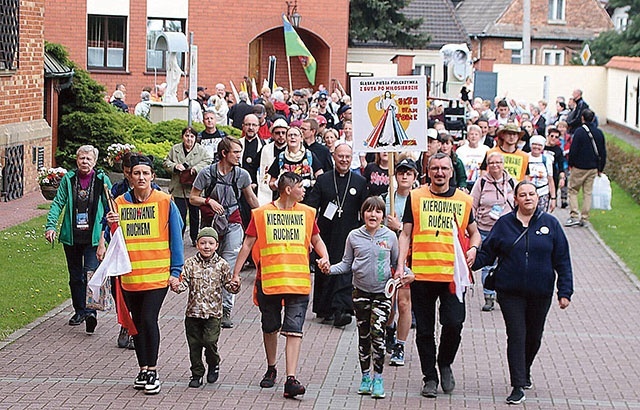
x=282 y=248
x=146 y=232
x=515 y=163
x=433 y=219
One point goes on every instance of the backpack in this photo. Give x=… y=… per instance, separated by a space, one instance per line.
x=213 y=169
x=208 y=218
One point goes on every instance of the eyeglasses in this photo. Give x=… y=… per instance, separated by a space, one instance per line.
x=279 y=132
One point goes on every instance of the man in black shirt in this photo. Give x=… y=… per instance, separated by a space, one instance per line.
x=309 y=130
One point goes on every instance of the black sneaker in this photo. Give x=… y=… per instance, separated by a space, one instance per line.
x=130 y=344
x=516 y=396
x=76 y=319
x=390 y=338
x=397 y=355
x=195 y=382
x=447 y=381
x=123 y=338
x=430 y=389
x=153 y=384
x=293 y=388
x=91 y=322
x=269 y=378
x=341 y=319
x=213 y=374
x=141 y=380
x=528 y=384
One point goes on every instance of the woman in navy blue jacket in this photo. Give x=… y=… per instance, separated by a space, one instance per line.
x=525 y=277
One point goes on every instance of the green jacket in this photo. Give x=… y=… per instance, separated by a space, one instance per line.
x=198 y=158
x=63 y=202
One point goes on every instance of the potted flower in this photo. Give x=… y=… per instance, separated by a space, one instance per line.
x=49 y=180
x=115 y=153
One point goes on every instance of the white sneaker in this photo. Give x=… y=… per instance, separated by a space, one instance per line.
x=153 y=384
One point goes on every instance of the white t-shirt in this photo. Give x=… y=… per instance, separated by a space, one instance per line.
x=540 y=171
x=471 y=159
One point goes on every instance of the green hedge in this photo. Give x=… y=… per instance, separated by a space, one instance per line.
x=623 y=166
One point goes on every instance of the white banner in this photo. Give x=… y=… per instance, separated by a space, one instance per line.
x=389 y=114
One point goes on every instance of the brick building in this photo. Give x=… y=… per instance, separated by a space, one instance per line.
x=558 y=29
x=114 y=40
x=25 y=137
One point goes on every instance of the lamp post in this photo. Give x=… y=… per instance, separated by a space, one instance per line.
x=292 y=13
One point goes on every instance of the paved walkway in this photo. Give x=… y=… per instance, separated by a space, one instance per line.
x=590 y=357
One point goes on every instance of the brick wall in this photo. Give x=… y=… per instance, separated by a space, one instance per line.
x=493 y=49
x=223 y=34
x=587 y=14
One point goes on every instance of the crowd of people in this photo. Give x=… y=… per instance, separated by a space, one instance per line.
x=295 y=199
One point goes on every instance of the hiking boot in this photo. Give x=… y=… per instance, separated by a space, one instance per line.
x=397 y=355
x=489 y=303
x=365 y=384
x=269 y=378
x=153 y=384
x=123 y=338
x=572 y=222
x=195 y=382
x=430 y=389
x=377 y=392
x=516 y=396
x=213 y=374
x=141 y=380
x=293 y=388
x=447 y=381
x=390 y=338
x=76 y=319
x=91 y=322
x=341 y=319
x=226 y=322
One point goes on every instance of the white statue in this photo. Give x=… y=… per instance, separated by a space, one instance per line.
x=174 y=73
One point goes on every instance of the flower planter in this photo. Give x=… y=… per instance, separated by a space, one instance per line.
x=49 y=191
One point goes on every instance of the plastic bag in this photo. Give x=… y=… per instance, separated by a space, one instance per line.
x=601 y=194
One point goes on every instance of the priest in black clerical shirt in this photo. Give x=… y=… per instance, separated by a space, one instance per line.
x=338 y=196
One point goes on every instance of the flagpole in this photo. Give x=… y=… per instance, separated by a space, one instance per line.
x=289 y=72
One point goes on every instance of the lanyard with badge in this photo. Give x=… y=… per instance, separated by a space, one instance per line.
x=337 y=205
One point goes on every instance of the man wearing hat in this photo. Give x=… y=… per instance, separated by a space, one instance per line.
x=406 y=172
x=344 y=114
x=516 y=161
x=268 y=154
x=323 y=111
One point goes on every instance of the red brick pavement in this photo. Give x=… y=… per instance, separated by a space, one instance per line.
x=21 y=210
x=588 y=360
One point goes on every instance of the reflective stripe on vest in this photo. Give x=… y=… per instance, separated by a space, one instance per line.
x=146 y=232
x=432 y=237
x=282 y=248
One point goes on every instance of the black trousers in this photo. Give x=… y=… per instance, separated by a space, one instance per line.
x=524 y=318
x=194 y=216
x=145 y=308
x=424 y=296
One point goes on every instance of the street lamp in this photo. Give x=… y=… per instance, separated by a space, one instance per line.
x=292 y=13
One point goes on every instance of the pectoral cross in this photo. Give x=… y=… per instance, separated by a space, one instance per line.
x=340 y=212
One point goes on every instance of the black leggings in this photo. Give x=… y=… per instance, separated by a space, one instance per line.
x=145 y=308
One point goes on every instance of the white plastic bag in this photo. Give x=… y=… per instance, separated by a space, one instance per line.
x=601 y=195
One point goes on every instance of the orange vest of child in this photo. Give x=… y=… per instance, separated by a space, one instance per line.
x=145 y=227
x=282 y=248
x=432 y=235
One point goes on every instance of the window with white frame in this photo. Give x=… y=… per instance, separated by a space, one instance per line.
x=553 y=57
x=516 y=56
x=106 y=42
x=157 y=60
x=556 y=10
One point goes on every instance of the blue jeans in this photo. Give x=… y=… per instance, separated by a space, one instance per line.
x=81 y=258
x=229 y=247
x=485 y=270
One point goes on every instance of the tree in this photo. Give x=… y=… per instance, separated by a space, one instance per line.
x=382 y=20
x=619 y=43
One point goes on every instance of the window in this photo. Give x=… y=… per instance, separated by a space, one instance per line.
x=556 y=10
x=553 y=57
x=157 y=60
x=106 y=42
x=516 y=56
x=9 y=34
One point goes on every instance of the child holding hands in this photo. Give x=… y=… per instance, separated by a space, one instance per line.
x=371 y=252
x=205 y=275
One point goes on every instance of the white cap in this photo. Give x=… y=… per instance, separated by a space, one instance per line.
x=538 y=139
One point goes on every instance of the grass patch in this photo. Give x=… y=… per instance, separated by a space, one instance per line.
x=618 y=227
x=624 y=145
x=34 y=277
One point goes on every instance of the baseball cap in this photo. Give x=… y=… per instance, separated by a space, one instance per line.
x=432 y=134
x=321 y=119
x=407 y=163
x=343 y=109
x=322 y=96
x=279 y=123
x=298 y=93
x=202 y=88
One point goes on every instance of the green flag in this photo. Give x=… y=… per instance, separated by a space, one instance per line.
x=295 y=47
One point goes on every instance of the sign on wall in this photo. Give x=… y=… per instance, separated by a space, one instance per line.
x=389 y=114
